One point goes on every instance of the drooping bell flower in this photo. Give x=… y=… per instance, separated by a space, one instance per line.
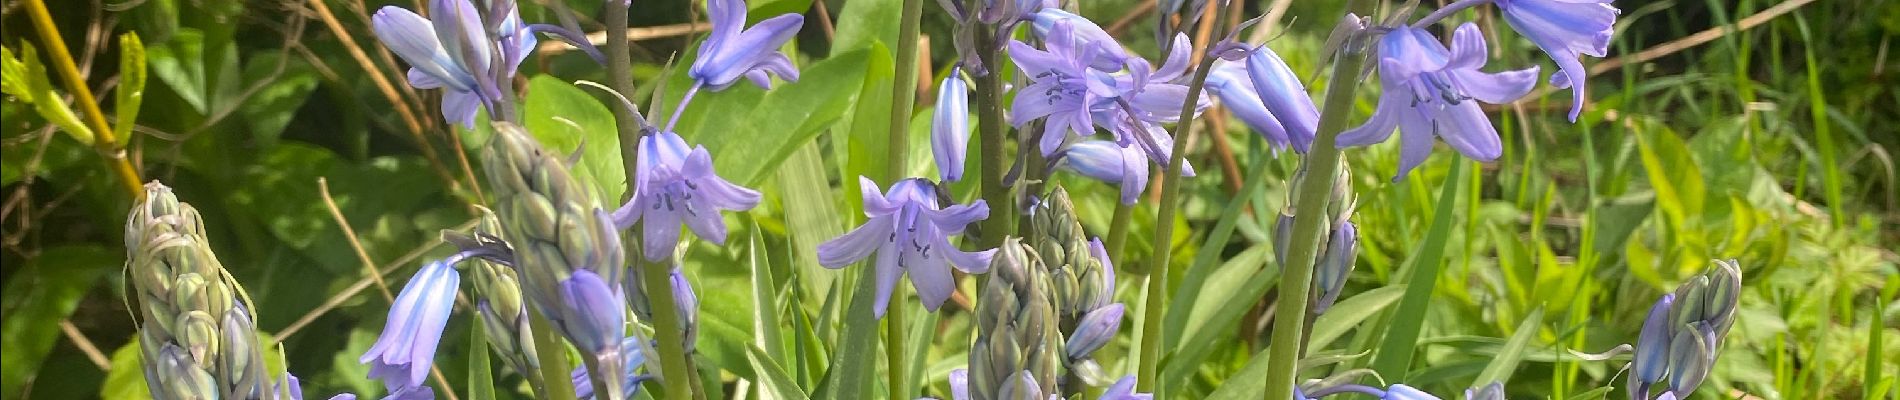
x=1566 y=30
x=1230 y=83
x=453 y=52
x=1111 y=163
x=1073 y=97
x=676 y=185
x=1283 y=95
x=731 y=51
x=404 y=352
x=1094 y=331
x=1428 y=91
x=950 y=127
x=1124 y=389
x=1109 y=53
x=910 y=233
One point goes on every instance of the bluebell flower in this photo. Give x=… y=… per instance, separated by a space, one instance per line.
x=1342 y=250
x=1094 y=331
x=676 y=185
x=453 y=53
x=1073 y=97
x=1493 y=391
x=1230 y=83
x=910 y=233
x=403 y=353
x=1109 y=162
x=1109 y=54
x=1683 y=333
x=1566 y=30
x=1401 y=392
x=950 y=127
x=1283 y=94
x=1124 y=389
x=1651 y=359
x=731 y=52
x=1427 y=92
x=583 y=382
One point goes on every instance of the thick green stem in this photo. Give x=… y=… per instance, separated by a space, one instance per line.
x=1118 y=230
x=1309 y=213
x=551 y=353
x=991 y=134
x=673 y=374
x=1171 y=181
x=903 y=95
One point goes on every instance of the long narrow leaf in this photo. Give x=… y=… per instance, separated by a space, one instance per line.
x=1395 y=353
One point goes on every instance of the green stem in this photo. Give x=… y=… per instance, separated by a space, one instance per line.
x=108 y=146
x=551 y=353
x=989 y=108
x=903 y=95
x=1171 y=181
x=1309 y=213
x=1118 y=230
x=673 y=374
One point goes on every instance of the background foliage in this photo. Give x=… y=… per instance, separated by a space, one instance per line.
x=1771 y=144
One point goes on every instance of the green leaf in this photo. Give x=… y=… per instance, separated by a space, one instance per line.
x=565 y=118
x=481 y=381
x=283 y=85
x=856 y=359
x=1205 y=337
x=783 y=120
x=131 y=91
x=765 y=324
x=25 y=78
x=1401 y=337
x=1672 y=171
x=126 y=380
x=866 y=142
x=1505 y=363
x=179 y=63
x=811 y=217
x=872 y=21
x=38 y=298
x=774 y=383
x=1349 y=313
x=1188 y=291
x=1249 y=383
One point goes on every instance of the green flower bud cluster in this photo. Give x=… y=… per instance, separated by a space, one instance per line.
x=195 y=327
x=498 y=302
x=1017 y=348
x=1337 y=253
x=1081 y=283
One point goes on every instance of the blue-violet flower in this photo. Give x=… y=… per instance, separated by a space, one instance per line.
x=676 y=185
x=453 y=52
x=731 y=52
x=1427 y=92
x=403 y=353
x=1566 y=30
x=910 y=233
x=950 y=127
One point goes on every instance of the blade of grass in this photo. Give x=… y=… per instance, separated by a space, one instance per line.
x=1505 y=364
x=1823 y=136
x=1401 y=337
x=481 y=382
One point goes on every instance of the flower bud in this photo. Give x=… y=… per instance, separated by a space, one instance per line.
x=1016 y=337
x=1094 y=331
x=1342 y=249
x=1651 y=360
x=1493 y=391
x=950 y=126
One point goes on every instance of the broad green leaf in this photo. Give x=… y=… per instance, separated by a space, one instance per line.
x=38 y=298
x=565 y=118
x=760 y=10
x=1349 y=313
x=131 y=90
x=856 y=359
x=1505 y=363
x=1249 y=383
x=811 y=217
x=864 y=145
x=283 y=84
x=1204 y=338
x=179 y=63
x=25 y=78
x=872 y=21
x=1672 y=171
x=785 y=119
x=1189 y=289
x=765 y=306
x=774 y=383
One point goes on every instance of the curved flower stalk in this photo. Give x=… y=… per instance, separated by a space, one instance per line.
x=1428 y=92
x=196 y=337
x=453 y=52
x=1109 y=162
x=910 y=233
x=676 y=185
x=1014 y=355
x=1684 y=332
x=1566 y=30
x=1000 y=17
x=567 y=253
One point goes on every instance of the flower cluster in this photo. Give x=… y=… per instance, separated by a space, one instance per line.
x=1684 y=332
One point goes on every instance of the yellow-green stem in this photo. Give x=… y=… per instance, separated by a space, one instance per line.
x=1171 y=181
x=991 y=135
x=1309 y=213
x=551 y=353
x=903 y=95
x=103 y=140
x=666 y=325
x=1118 y=230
